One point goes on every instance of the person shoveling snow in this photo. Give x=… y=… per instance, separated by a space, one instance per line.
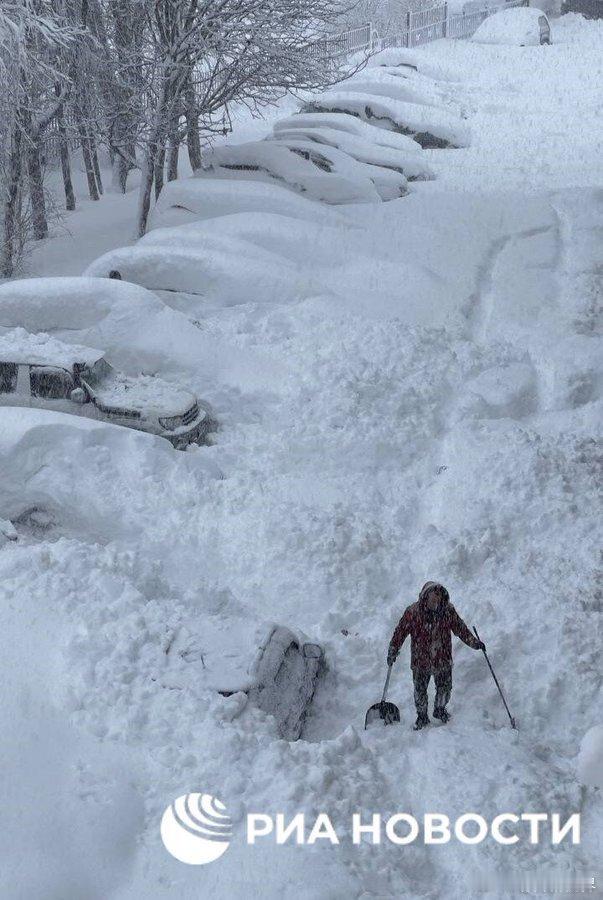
x=429 y=622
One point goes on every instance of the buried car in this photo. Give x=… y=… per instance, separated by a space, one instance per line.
x=279 y=678
x=39 y=371
x=521 y=26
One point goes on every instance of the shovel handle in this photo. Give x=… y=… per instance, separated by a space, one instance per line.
x=385 y=687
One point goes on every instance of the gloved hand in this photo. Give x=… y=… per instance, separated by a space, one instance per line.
x=481 y=646
x=392 y=655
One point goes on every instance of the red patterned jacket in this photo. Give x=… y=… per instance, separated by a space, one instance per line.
x=430 y=632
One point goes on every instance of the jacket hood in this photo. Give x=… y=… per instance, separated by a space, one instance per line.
x=429 y=586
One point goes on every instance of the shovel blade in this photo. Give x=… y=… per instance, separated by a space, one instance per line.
x=387 y=712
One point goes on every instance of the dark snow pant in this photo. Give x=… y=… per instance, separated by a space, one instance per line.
x=443 y=683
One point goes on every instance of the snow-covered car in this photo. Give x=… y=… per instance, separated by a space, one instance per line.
x=38 y=371
x=366 y=147
x=192 y=199
x=390 y=183
x=432 y=127
x=521 y=26
x=279 y=678
x=305 y=171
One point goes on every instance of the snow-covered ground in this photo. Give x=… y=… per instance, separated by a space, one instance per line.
x=407 y=391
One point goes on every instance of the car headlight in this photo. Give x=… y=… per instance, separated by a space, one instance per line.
x=171 y=422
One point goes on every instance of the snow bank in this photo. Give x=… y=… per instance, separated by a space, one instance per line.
x=85 y=475
x=429 y=126
x=590 y=758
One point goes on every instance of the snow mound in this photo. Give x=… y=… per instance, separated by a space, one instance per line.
x=519 y=26
x=84 y=475
x=191 y=199
x=407 y=162
x=429 y=126
x=305 y=173
x=590 y=758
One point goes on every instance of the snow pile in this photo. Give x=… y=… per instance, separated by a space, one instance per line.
x=84 y=475
x=590 y=758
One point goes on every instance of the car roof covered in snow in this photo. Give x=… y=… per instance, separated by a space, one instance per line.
x=519 y=25
x=19 y=346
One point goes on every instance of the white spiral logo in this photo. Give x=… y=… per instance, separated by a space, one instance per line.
x=196 y=829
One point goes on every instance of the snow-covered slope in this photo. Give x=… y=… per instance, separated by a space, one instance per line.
x=424 y=402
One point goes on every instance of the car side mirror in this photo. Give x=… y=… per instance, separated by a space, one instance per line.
x=78 y=395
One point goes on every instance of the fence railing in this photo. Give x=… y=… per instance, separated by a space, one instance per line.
x=418 y=27
x=345 y=43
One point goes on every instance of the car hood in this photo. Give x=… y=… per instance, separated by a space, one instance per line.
x=145 y=394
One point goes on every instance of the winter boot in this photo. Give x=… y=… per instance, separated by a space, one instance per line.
x=421 y=722
x=440 y=713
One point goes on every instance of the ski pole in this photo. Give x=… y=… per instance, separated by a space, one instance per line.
x=502 y=696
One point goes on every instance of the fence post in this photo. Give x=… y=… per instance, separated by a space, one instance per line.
x=408 y=21
x=445 y=28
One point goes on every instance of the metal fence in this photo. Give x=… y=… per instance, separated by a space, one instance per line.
x=419 y=27
x=345 y=43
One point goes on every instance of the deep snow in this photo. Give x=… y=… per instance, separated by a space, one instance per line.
x=408 y=390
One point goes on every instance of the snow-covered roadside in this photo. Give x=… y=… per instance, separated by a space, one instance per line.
x=431 y=412
x=533 y=111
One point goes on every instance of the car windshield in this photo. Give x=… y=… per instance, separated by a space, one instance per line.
x=96 y=374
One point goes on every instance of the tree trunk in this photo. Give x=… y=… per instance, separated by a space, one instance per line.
x=146 y=187
x=35 y=178
x=88 y=163
x=159 y=169
x=11 y=206
x=95 y=165
x=119 y=173
x=174 y=148
x=65 y=161
x=193 y=142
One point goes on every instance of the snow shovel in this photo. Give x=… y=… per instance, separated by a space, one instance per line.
x=387 y=712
